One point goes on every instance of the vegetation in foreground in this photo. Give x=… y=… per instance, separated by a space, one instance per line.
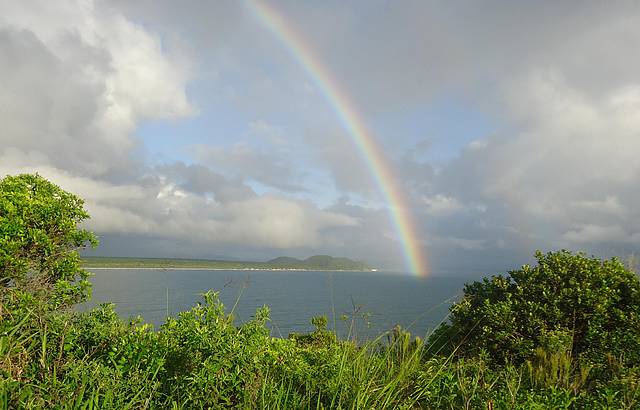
x=561 y=334
x=316 y=263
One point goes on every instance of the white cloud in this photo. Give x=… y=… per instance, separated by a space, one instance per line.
x=598 y=234
x=441 y=205
x=559 y=85
x=163 y=210
x=244 y=160
x=609 y=205
x=77 y=79
x=262 y=129
x=465 y=243
x=565 y=169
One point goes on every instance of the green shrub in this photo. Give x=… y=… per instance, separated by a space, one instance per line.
x=38 y=241
x=593 y=305
x=210 y=362
x=512 y=341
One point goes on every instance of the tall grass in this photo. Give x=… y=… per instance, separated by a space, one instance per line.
x=201 y=359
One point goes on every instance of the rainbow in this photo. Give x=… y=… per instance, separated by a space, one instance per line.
x=353 y=122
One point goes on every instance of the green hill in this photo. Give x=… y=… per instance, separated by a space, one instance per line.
x=319 y=262
x=285 y=260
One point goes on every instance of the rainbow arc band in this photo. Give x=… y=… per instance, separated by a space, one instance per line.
x=345 y=110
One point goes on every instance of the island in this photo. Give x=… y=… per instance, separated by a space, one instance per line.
x=313 y=263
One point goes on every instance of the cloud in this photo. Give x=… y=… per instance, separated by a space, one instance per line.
x=201 y=180
x=394 y=58
x=336 y=152
x=440 y=204
x=75 y=95
x=162 y=209
x=71 y=99
x=599 y=234
x=566 y=170
x=262 y=129
x=245 y=161
x=557 y=84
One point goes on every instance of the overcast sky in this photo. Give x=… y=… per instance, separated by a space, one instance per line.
x=192 y=132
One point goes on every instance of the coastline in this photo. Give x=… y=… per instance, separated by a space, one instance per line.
x=318 y=263
x=223 y=269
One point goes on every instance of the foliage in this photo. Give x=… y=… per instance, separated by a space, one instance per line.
x=527 y=341
x=38 y=240
x=588 y=306
x=201 y=359
x=319 y=337
x=209 y=361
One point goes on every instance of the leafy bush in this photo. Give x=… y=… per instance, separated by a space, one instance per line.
x=38 y=240
x=544 y=317
x=201 y=359
x=209 y=361
x=589 y=306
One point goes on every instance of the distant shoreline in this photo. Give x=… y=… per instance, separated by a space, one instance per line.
x=225 y=269
x=317 y=263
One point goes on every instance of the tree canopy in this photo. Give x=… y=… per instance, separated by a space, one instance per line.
x=588 y=306
x=39 y=239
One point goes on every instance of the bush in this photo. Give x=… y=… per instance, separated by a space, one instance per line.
x=210 y=362
x=567 y=306
x=38 y=241
x=568 y=301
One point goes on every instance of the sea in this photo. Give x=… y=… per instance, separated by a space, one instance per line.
x=358 y=305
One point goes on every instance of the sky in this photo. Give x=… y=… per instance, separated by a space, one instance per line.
x=191 y=130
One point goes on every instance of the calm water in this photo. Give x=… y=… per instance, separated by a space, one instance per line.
x=293 y=297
